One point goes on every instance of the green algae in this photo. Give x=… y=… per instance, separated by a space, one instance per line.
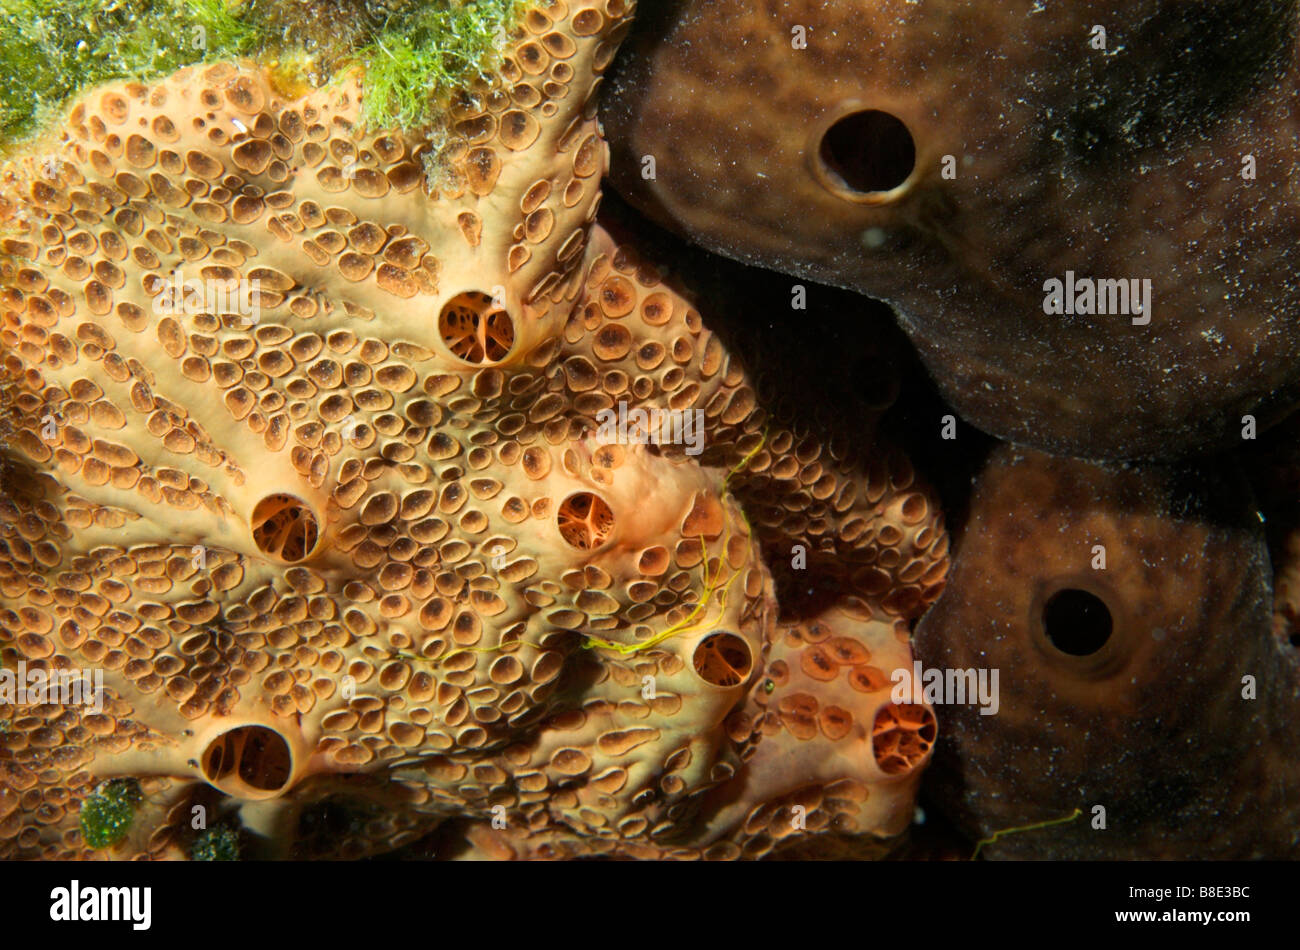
x=415 y=65
x=53 y=48
x=106 y=815
x=414 y=54
x=220 y=843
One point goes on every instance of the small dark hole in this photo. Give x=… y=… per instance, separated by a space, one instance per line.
x=869 y=151
x=1076 y=622
x=1295 y=639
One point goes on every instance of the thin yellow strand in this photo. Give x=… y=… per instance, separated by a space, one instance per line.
x=1011 y=831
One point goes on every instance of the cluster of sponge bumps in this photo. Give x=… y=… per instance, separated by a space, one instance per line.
x=304 y=452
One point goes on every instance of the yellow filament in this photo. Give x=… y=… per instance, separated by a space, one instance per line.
x=1011 y=831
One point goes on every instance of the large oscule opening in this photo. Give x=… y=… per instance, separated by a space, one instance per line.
x=867 y=154
x=250 y=762
x=285 y=527
x=476 y=329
